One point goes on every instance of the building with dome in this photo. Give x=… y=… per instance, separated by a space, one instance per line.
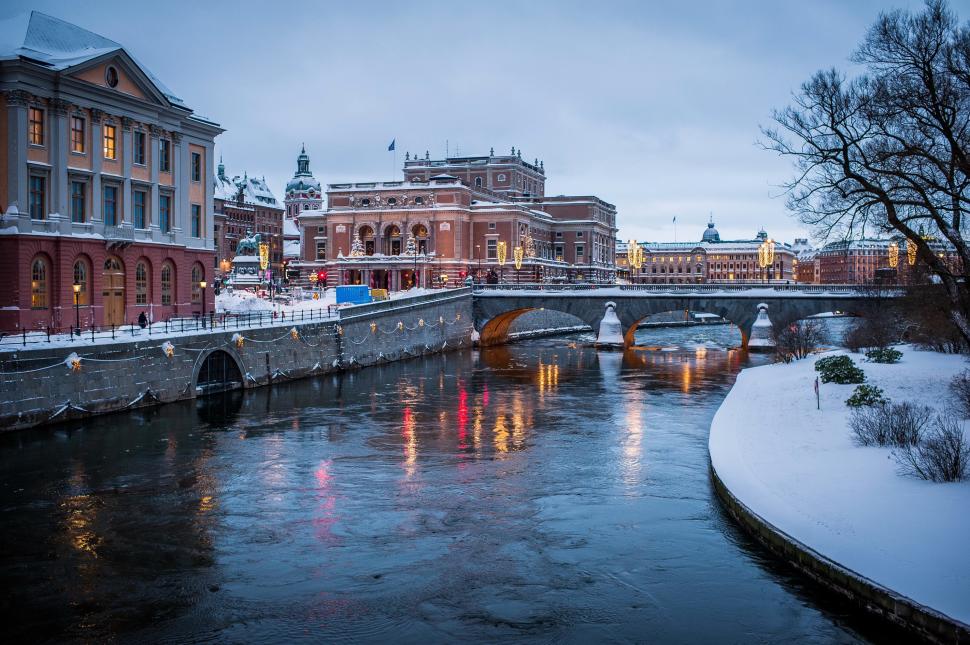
x=710 y=260
x=303 y=190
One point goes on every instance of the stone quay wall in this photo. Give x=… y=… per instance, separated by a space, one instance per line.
x=66 y=380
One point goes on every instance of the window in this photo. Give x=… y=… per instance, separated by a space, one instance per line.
x=321 y=230
x=321 y=250
x=111 y=205
x=491 y=226
x=501 y=177
x=419 y=200
x=167 y=283
x=141 y=284
x=110 y=149
x=580 y=251
x=38 y=284
x=579 y=234
x=139 y=141
x=38 y=197
x=558 y=235
x=198 y=275
x=196 y=220
x=165 y=213
x=111 y=76
x=306 y=207
x=78 y=203
x=36 y=126
x=365 y=202
x=478 y=182
x=139 y=199
x=81 y=278
x=491 y=249
x=77 y=134
x=165 y=155
x=559 y=250
x=392 y=201
x=196 y=167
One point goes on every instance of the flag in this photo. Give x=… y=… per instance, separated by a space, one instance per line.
x=391 y=147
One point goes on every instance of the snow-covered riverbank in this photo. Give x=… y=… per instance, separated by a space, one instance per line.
x=798 y=469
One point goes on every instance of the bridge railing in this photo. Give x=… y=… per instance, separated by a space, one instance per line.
x=676 y=288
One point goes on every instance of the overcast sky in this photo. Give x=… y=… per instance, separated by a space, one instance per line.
x=654 y=107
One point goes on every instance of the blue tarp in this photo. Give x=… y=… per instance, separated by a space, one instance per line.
x=353 y=294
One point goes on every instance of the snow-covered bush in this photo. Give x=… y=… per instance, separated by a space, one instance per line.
x=798 y=339
x=960 y=391
x=884 y=355
x=942 y=454
x=866 y=395
x=889 y=424
x=839 y=369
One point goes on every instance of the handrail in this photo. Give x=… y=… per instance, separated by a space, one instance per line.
x=685 y=288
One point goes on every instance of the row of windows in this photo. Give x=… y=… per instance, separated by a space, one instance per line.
x=110 y=207
x=40 y=283
x=37 y=135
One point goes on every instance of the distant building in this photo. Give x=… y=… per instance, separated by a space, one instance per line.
x=246 y=204
x=874 y=261
x=302 y=193
x=452 y=217
x=712 y=260
x=106 y=184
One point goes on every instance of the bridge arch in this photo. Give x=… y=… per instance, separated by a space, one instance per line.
x=495 y=330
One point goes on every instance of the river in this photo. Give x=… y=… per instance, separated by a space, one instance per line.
x=539 y=491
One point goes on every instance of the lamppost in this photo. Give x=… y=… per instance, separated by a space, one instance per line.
x=77 y=308
x=501 y=250
x=202 y=285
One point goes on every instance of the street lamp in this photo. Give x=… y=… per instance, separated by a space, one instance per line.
x=202 y=285
x=77 y=308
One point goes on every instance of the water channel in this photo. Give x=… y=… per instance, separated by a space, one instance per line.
x=538 y=491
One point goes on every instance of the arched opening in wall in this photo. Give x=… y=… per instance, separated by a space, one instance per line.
x=218 y=373
x=685 y=328
x=529 y=322
x=113 y=291
x=366 y=234
x=392 y=240
x=420 y=232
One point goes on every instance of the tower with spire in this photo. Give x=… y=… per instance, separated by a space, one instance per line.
x=303 y=191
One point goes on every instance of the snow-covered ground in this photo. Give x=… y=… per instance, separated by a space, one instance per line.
x=798 y=469
x=241 y=301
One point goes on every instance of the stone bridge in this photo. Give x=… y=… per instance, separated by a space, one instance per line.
x=496 y=306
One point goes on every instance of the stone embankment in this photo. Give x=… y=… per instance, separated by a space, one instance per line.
x=70 y=380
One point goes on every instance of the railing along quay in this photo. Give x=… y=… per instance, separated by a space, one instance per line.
x=214 y=322
x=683 y=288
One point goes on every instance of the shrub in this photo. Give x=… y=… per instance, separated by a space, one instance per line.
x=866 y=395
x=960 y=391
x=942 y=455
x=798 y=339
x=889 y=424
x=884 y=355
x=839 y=369
x=875 y=330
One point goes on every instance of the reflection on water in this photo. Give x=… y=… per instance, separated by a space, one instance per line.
x=538 y=490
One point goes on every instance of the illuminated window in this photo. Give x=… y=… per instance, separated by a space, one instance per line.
x=321 y=250
x=167 y=286
x=81 y=278
x=198 y=274
x=36 y=127
x=141 y=284
x=110 y=143
x=77 y=134
x=38 y=284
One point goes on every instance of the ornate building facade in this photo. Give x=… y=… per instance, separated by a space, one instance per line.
x=437 y=227
x=245 y=204
x=302 y=193
x=712 y=260
x=105 y=186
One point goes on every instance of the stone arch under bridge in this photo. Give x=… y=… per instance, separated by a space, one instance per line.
x=496 y=310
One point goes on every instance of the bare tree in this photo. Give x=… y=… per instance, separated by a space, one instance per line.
x=797 y=339
x=889 y=151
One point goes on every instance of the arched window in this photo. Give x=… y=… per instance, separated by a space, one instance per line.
x=167 y=283
x=81 y=273
x=38 y=284
x=141 y=283
x=478 y=182
x=198 y=275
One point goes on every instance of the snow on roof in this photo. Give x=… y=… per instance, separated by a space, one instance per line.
x=255 y=190
x=60 y=45
x=291 y=248
x=290 y=229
